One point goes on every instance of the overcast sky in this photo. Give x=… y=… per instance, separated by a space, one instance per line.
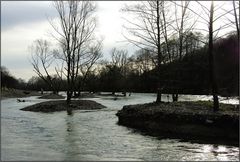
x=22 y=22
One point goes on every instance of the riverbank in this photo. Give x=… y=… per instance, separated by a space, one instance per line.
x=16 y=93
x=51 y=96
x=61 y=105
x=184 y=120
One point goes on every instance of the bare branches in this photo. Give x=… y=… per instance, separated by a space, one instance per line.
x=88 y=60
x=219 y=14
x=42 y=58
x=119 y=57
x=143 y=60
x=144 y=30
x=181 y=22
x=74 y=32
x=148 y=29
x=236 y=16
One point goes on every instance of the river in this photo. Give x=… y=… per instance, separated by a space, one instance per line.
x=95 y=135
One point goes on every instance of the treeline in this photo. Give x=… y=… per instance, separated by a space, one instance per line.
x=189 y=75
x=9 y=81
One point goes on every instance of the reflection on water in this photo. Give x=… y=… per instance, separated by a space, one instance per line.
x=70 y=138
x=94 y=135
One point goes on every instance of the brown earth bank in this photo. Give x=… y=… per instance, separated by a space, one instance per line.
x=192 y=121
x=16 y=93
x=61 y=105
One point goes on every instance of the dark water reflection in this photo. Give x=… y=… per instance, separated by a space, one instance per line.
x=92 y=135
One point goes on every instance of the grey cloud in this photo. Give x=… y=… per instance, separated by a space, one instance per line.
x=17 y=61
x=16 y=13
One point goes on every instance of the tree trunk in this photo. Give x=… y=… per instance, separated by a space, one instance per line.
x=159 y=95
x=69 y=108
x=175 y=97
x=236 y=18
x=69 y=88
x=55 y=92
x=211 y=63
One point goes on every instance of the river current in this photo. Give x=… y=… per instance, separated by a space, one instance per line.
x=95 y=135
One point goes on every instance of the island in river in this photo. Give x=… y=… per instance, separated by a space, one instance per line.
x=194 y=121
x=61 y=105
x=49 y=106
x=184 y=120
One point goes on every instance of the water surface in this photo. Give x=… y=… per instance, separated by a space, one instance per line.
x=94 y=135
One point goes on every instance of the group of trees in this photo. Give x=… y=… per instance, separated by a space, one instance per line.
x=9 y=81
x=190 y=75
x=173 y=57
x=157 y=22
x=77 y=51
x=137 y=73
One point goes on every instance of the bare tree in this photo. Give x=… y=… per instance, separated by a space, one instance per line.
x=147 y=32
x=73 y=32
x=183 y=25
x=41 y=60
x=214 y=14
x=236 y=16
x=167 y=32
x=143 y=60
x=211 y=59
x=87 y=62
x=119 y=58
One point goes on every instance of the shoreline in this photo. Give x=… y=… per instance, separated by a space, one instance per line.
x=17 y=93
x=184 y=120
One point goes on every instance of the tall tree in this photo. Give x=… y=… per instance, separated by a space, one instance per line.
x=209 y=17
x=236 y=16
x=74 y=31
x=183 y=25
x=147 y=31
x=211 y=60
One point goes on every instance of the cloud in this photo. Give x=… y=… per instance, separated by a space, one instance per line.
x=20 y=67
x=24 y=21
x=110 y=24
x=17 y=13
x=14 y=47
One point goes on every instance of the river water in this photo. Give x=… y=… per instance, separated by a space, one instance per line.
x=95 y=135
